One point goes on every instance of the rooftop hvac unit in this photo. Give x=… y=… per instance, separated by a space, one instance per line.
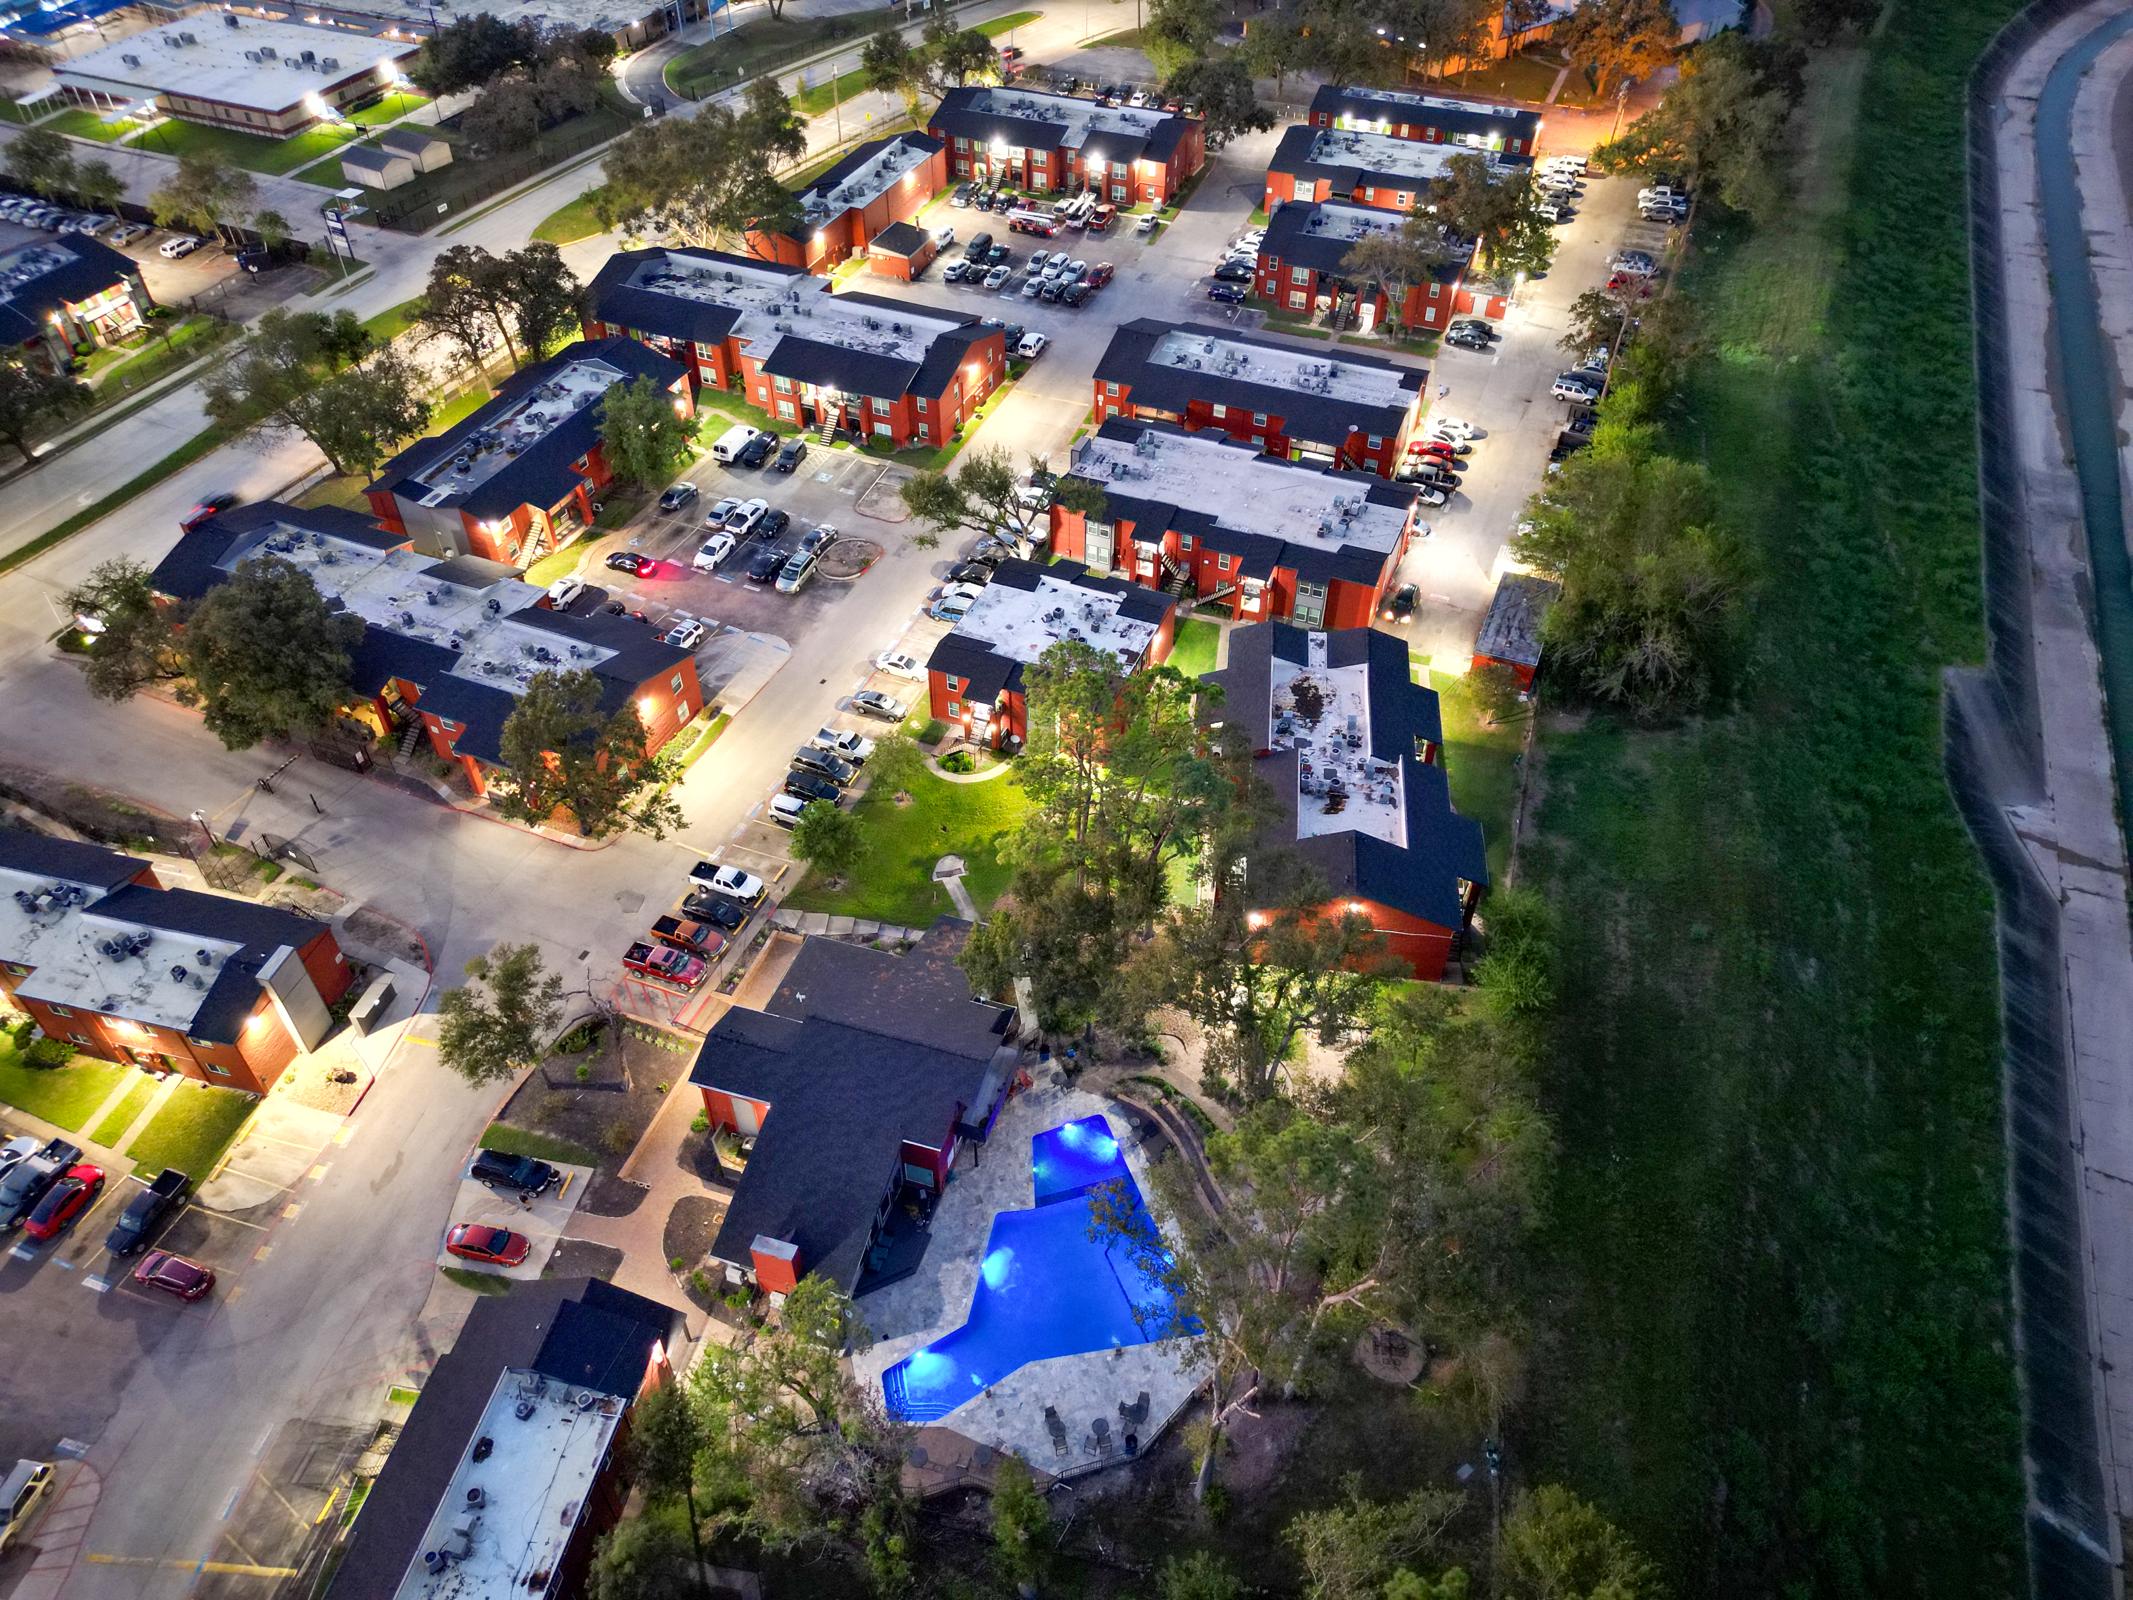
x=266 y=52
x=249 y=55
x=310 y=56
x=131 y=61
x=229 y=20
x=188 y=38
x=171 y=39
x=331 y=63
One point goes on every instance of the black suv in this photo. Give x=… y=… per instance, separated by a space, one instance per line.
x=835 y=768
x=791 y=453
x=757 y=450
x=980 y=245
x=519 y=1174
x=138 y=1221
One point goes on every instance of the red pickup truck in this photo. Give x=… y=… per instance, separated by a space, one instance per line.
x=665 y=964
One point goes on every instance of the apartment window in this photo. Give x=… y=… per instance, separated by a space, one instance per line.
x=1377 y=441
x=881 y=407
x=962 y=144
x=922 y=406
x=78 y=1038
x=1112 y=390
x=924 y=434
x=1218 y=412
x=782 y=385
x=583 y=463
x=883 y=429
x=59 y=1011
x=1258 y=419
x=220 y=1072
x=1435 y=290
x=1404 y=200
x=1297 y=298
x=785 y=410
x=675 y=685
x=1299 y=274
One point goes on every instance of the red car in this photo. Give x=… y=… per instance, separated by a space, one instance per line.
x=188 y=1280
x=1103 y=272
x=478 y=1242
x=73 y=1193
x=665 y=964
x=213 y=505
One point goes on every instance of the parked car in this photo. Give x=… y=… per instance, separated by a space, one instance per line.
x=716 y=909
x=818 y=538
x=1227 y=293
x=812 y=786
x=1478 y=325
x=791 y=453
x=1634 y=262
x=757 y=450
x=477 y=1241
x=626 y=561
x=1468 y=341
x=1444 y=449
x=564 y=591
x=955 y=271
x=1233 y=272
x=899 y=664
x=833 y=767
x=1102 y=217
x=1451 y=427
x=686 y=634
x=798 y=568
x=1147 y=224
x=1432 y=494
x=955 y=602
x=971 y=572
x=1661 y=191
x=980 y=243
x=998 y=276
x=664 y=964
x=731 y=882
x=678 y=496
x=1630 y=286
x=716 y=516
x=19 y=1148
x=145 y=1210
x=173 y=1274
x=1100 y=274
x=713 y=551
x=961 y=198
x=746 y=517
x=183 y=244
x=844 y=744
x=1401 y=607
x=873 y=703
x=1551 y=211
x=26 y=1483
x=71 y=1193
x=1033 y=345
x=784 y=810
x=1575 y=389
x=765 y=565
x=27 y=1180
x=495 y=1169
x=126 y=232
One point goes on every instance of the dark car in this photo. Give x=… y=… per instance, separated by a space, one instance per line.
x=1013 y=335
x=1472 y=325
x=1005 y=201
x=980 y=245
x=766 y=564
x=518 y=1174
x=773 y=523
x=1467 y=341
x=722 y=913
x=970 y=572
x=1073 y=294
x=1401 y=607
x=999 y=256
x=145 y=1210
x=615 y=608
x=812 y=786
x=791 y=453
x=757 y=450
x=626 y=561
x=27 y=1180
x=188 y=1280
x=213 y=505
x=1233 y=272
x=678 y=496
x=961 y=197
x=1227 y=293
x=835 y=768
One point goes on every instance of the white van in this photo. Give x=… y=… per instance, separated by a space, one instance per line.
x=733 y=441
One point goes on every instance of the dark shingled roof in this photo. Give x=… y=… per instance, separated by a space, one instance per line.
x=91 y=865
x=1511 y=632
x=90 y=267
x=572 y=1323
x=963 y=656
x=1452 y=122
x=611 y=299
x=960 y=116
x=411 y=141
x=541 y=473
x=262 y=930
x=1319 y=418
x=899 y=239
x=858 y=1051
x=1258 y=554
x=1289 y=241
x=1442 y=847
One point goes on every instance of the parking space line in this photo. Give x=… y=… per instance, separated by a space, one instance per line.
x=318 y=1173
x=262 y=1252
x=256 y=1227
x=289 y=1211
x=23 y=1252
x=96 y=1282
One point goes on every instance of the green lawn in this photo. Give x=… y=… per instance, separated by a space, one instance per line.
x=819 y=97
x=113 y=1127
x=1194 y=651
x=82 y=123
x=393 y=321
x=1481 y=762
x=579 y=219
x=273 y=156
x=993 y=28
x=762 y=45
x=1124 y=39
x=1518 y=77
x=1776 y=1340
x=195 y=1126
x=162 y=353
x=63 y=1096
x=554 y=565
x=519 y=1142
x=390 y=109
x=344 y=492
x=894 y=879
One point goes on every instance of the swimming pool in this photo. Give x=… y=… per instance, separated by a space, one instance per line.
x=1044 y=1287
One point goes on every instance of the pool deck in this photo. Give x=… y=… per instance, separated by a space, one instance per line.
x=913 y=1311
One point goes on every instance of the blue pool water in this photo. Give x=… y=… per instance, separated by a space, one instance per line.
x=1044 y=1287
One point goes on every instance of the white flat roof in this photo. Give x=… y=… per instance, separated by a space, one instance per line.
x=1280 y=367
x=502 y=1525
x=80 y=958
x=1243 y=491
x=863 y=187
x=1339 y=219
x=1381 y=152
x=389 y=589
x=202 y=57
x=1078 y=117
x=474 y=459
x=1022 y=624
x=1323 y=714
x=775 y=303
x=609 y=16
x=1407 y=99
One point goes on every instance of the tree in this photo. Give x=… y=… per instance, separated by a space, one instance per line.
x=507 y=117
x=1499 y=211
x=645 y=1558
x=707 y=178
x=1820 y=21
x=896 y=762
x=1619 y=40
x=543 y=296
x=206 y=191
x=97 y=186
x=1597 y=317
x=982 y=497
x=562 y=752
x=1357 y=1547
x=263 y=655
x=503 y=1020
x=1398 y=259
x=308 y=373
x=1558 y=1547
x=1451 y=1584
x=471 y=52
x=41 y=159
x=134 y=643
x=1345 y=44
x=272 y=227
x=1199 y=1576
x=1721 y=123
x=950 y=56
x=33 y=400
x=829 y=838
x=470 y=295
x=666 y=1437
x=1653 y=583
x=642 y=435
x=1222 y=90
x=1276 y=45
x=1179 y=32
x=358 y=415
x=893 y=67
x=1021 y=1524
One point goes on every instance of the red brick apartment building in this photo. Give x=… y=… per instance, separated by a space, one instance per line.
x=1064 y=144
x=878 y=370
x=1322 y=405
x=447 y=646
x=1349 y=744
x=1510 y=633
x=974 y=677
x=63 y=297
x=1504 y=130
x=515 y=1460
x=519 y=477
x=1372 y=169
x=1302 y=269
x=1205 y=516
x=882 y=183
x=97 y=952
x=854 y=1087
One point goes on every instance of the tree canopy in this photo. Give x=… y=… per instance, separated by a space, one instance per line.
x=980 y=498
x=1221 y=87
x=264 y=656
x=563 y=753
x=41 y=159
x=207 y=192
x=32 y=401
x=643 y=437
x=1619 y=41
x=1559 y=1547
x=1499 y=211
x=135 y=644
x=503 y=1019
x=309 y=373
x=707 y=178
x=1723 y=124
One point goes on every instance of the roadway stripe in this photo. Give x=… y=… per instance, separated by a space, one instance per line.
x=238 y=1569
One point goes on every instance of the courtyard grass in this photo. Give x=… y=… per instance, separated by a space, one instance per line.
x=514 y=1141
x=1194 y=650
x=893 y=881
x=249 y=150
x=113 y=1128
x=80 y=122
x=63 y=1096
x=1777 y=1342
x=580 y=219
x=1481 y=761
x=193 y=1129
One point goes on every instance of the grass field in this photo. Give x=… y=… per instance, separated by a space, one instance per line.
x=762 y=45
x=192 y=1130
x=1777 y=1341
x=393 y=321
x=63 y=1096
x=1194 y=652
x=543 y=1147
x=578 y=220
x=113 y=1128
x=894 y=879
x=174 y=138
x=1481 y=764
x=81 y=123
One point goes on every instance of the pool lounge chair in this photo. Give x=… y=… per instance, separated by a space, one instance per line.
x=1132 y=1416
x=1056 y=1428
x=1100 y=1435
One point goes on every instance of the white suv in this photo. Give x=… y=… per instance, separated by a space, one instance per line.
x=1573 y=387
x=712 y=551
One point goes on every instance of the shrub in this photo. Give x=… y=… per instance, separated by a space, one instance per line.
x=22 y=1033
x=585 y=1073
x=700 y=1123
x=933 y=732
x=619 y=1138
x=49 y=1053
x=700 y=1283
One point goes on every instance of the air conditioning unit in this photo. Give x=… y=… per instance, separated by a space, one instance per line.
x=131 y=61
x=188 y=38
x=331 y=64
x=230 y=20
x=266 y=52
x=309 y=57
x=251 y=55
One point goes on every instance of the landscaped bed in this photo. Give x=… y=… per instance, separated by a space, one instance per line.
x=893 y=881
x=192 y=1130
x=591 y=1106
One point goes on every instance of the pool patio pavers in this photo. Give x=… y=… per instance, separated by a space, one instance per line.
x=913 y=1311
